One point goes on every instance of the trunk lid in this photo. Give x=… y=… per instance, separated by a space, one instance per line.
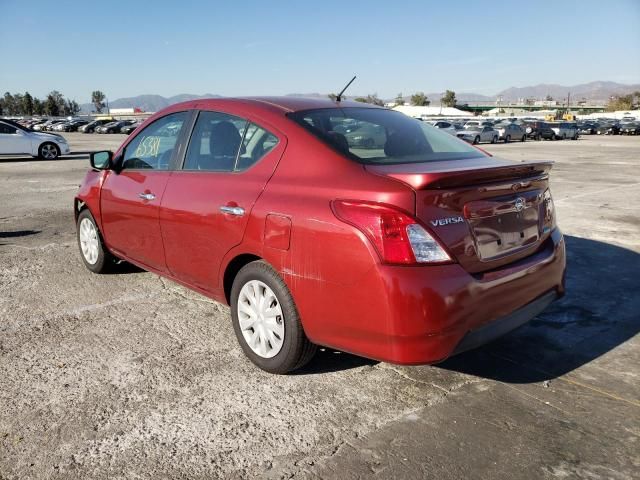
x=488 y=212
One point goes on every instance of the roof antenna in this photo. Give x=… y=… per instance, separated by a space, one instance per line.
x=339 y=96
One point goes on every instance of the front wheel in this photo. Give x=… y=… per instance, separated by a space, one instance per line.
x=507 y=139
x=48 y=151
x=92 y=250
x=266 y=320
x=494 y=139
x=476 y=140
x=524 y=138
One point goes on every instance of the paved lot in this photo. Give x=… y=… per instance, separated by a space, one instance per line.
x=132 y=376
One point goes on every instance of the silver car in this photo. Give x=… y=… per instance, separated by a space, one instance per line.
x=475 y=135
x=510 y=131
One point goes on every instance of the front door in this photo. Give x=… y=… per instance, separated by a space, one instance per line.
x=131 y=196
x=207 y=203
x=13 y=141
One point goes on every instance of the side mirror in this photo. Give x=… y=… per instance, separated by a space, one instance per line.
x=101 y=160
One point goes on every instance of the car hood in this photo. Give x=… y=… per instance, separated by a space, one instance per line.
x=47 y=135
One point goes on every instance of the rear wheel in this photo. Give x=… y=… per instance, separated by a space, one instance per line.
x=564 y=136
x=266 y=320
x=476 y=140
x=48 y=151
x=507 y=139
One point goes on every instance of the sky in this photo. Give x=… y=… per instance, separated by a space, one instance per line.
x=279 y=47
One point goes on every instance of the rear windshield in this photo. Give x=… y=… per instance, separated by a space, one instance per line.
x=380 y=136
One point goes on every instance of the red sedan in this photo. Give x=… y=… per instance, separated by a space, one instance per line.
x=328 y=223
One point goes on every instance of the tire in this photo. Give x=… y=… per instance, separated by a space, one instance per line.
x=524 y=138
x=288 y=348
x=494 y=139
x=476 y=140
x=48 y=151
x=538 y=137
x=564 y=136
x=92 y=250
x=507 y=139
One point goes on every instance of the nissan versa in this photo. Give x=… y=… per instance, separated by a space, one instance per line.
x=407 y=249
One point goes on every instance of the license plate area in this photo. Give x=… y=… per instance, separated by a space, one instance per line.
x=504 y=226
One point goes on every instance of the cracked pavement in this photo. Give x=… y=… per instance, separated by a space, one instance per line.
x=132 y=376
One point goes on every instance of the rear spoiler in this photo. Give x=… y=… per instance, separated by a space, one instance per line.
x=458 y=177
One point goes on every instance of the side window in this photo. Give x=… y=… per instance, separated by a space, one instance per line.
x=153 y=147
x=8 y=129
x=216 y=142
x=256 y=144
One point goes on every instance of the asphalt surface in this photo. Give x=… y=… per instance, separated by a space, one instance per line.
x=131 y=376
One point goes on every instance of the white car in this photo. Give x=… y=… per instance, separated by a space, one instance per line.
x=18 y=140
x=445 y=127
x=477 y=135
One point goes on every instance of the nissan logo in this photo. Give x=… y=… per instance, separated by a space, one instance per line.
x=520 y=203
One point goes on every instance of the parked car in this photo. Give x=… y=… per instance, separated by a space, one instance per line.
x=448 y=127
x=538 y=130
x=128 y=129
x=630 y=128
x=565 y=130
x=113 y=127
x=70 y=126
x=587 y=128
x=16 y=139
x=476 y=135
x=381 y=252
x=91 y=126
x=44 y=126
x=366 y=135
x=508 y=131
x=608 y=128
x=478 y=123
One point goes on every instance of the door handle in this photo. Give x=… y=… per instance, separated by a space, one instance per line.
x=146 y=196
x=237 y=211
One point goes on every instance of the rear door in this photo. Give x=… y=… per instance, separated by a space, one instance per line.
x=208 y=201
x=130 y=198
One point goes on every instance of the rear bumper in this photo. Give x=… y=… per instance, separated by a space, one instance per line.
x=496 y=329
x=422 y=315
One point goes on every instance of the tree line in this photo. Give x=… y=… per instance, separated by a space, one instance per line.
x=417 y=99
x=624 y=102
x=53 y=105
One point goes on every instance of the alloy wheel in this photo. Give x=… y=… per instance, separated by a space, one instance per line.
x=49 y=151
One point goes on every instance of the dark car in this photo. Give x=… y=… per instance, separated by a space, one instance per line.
x=422 y=246
x=610 y=128
x=630 y=128
x=128 y=129
x=539 y=130
x=91 y=126
x=72 y=126
x=587 y=128
x=114 y=127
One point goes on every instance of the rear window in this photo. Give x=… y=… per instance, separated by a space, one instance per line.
x=379 y=136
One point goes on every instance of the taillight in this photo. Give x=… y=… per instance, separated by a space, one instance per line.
x=549 y=209
x=397 y=236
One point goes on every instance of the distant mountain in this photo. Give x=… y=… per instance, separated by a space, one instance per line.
x=593 y=91
x=599 y=92
x=149 y=103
